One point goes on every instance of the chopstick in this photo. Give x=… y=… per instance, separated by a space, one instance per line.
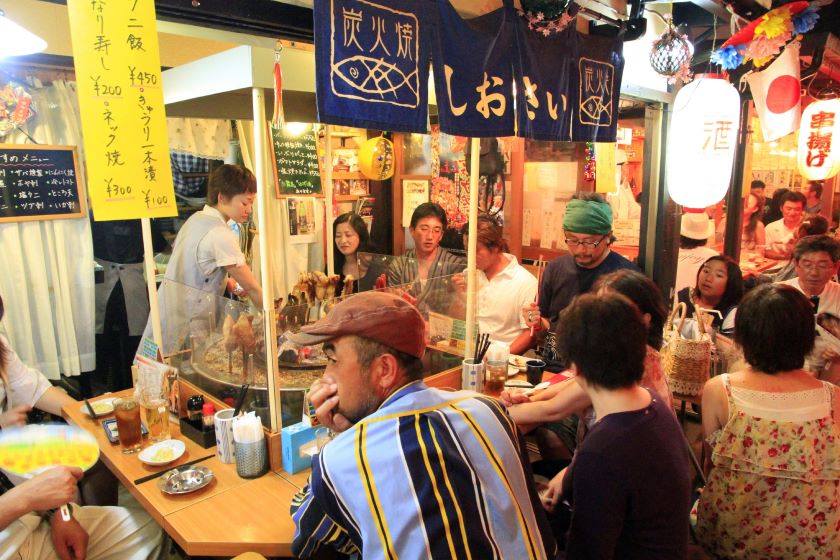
x=240 y=399
x=92 y=415
x=540 y=267
x=482 y=343
x=161 y=473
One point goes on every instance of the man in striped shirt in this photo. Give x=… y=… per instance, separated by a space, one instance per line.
x=415 y=472
x=426 y=271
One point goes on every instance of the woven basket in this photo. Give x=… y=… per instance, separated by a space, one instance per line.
x=685 y=361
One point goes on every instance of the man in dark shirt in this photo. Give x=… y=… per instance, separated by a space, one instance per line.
x=587 y=225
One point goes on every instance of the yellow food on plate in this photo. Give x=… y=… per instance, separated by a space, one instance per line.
x=163 y=454
x=102 y=407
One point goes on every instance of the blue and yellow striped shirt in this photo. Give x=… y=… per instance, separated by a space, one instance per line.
x=430 y=474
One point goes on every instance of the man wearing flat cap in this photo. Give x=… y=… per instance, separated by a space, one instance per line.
x=415 y=472
x=587 y=225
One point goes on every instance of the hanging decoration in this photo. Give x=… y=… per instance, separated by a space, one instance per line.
x=819 y=140
x=15 y=107
x=702 y=140
x=589 y=162
x=763 y=38
x=671 y=54
x=278 y=119
x=548 y=16
x=376 y=158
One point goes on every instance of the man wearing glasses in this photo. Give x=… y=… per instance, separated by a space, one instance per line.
x=427 y=269
x=587 y=225
x=816 y=259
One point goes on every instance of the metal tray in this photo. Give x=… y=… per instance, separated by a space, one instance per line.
x=186 y=480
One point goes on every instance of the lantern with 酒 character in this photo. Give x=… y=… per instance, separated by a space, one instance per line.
x=702 y=140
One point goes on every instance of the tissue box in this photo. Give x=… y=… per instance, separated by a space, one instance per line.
x=294 y=437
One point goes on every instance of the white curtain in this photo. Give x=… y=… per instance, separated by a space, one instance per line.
x=288 y=259
x=207 y=138
x=47 y=283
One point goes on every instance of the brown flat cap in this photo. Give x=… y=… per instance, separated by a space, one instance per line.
x=379 y=316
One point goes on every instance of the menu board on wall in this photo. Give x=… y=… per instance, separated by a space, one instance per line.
x=39 y=183
x=115 y=51
x=295 y=161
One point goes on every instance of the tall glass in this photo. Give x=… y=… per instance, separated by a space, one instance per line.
x=156 y=414
x=127 y=413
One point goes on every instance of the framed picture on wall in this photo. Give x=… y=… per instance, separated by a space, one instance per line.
x=415 y=193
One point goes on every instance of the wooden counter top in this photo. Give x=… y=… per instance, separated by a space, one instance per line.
x=253 y=517
x=230 y=516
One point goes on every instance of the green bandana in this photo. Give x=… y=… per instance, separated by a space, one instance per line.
x=585 y=216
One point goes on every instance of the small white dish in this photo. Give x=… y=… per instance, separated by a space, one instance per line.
x=162 y=452
x=513 y=370
x=519 y=362
x=102 y=407
x=519 y=383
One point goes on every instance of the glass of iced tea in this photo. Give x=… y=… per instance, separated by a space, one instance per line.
x=127 y=413
x=156 y=414
x=495 y=376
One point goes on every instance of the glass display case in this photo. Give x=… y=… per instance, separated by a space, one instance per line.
x=218 y=344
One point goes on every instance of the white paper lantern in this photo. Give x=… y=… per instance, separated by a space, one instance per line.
x=818 y=156
x=702 y=140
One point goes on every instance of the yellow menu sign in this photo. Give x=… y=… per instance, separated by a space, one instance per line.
x=115 y=49
x=605 y=175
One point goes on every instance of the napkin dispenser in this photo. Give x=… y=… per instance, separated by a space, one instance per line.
x=295 y=439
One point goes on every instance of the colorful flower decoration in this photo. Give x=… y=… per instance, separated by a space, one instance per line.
x=805 y=21
x=762 y=39
x=547 y=16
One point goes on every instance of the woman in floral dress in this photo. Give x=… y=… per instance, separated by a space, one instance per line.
x=774 y=441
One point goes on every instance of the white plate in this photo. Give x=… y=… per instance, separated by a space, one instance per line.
x=519 y=383
x=162 y=452
x=519 y=362
x=513 y=370
x=102 y=407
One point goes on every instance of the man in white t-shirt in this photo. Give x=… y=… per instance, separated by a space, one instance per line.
x=504 y=288
x=816 y=259
x=695 y=230
x=780 y=235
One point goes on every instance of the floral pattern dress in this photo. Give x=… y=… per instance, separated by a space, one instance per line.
x=774 y=491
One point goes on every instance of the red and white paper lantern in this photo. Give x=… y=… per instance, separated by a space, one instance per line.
x=819 y=140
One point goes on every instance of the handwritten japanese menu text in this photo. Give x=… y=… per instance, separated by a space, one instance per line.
x=115 y=49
